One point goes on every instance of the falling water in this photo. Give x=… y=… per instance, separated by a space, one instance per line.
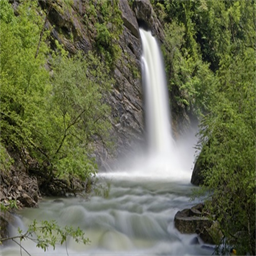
x=156 y=97
x=163 y=158
x=137 y=217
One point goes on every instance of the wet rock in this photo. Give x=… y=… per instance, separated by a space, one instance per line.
x=195 y=240
x=26 y=200
x=188 y=223
x=195 y=220
x=147 y=17
x=3 y=227
x=5 y=219
x=211 y=235
x=129 y=18
x=201 y=165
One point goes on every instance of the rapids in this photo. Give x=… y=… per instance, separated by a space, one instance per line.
x=137 y=218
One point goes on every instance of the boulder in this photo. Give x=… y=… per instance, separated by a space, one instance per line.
x=188 y=223
x=195 y=220
x=3 y=227
x=5 y=219
x=211 y=235
x=26 y=200
x=126 y=96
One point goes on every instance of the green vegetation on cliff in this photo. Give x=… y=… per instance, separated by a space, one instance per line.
x=210 y=55
x=52 y=104
x=104 y=18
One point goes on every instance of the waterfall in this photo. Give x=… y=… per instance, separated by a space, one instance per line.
x=157 y=114
x=163 y=158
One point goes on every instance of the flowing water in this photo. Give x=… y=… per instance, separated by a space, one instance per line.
x=157 y=114
x=135 y=219
x=137 y=215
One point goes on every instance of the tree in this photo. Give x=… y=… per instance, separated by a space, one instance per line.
x=210 y=52
x=52 y=104
x=46 y=234
x=228 y=137
x=24 y=80
x=79 y=113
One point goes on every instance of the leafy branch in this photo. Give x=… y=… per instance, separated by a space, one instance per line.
x=47 y=234
x=76 y=120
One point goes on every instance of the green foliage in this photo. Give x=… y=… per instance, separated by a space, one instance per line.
x=47 y=234
x=6 y=160
x=10 y=205
x=130 y=2
x=81 y=114
x=209 y=50
x=23 y=78
x=230 y=130
x=54 y=116
x=104 y=37
x=109 y=28
x=6 y=13
x=189 y=73
x=198 y=35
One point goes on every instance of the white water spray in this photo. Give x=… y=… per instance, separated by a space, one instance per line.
x=163 y=158
x=156 y=101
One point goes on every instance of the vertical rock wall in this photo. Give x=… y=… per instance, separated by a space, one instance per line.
x=74 y=27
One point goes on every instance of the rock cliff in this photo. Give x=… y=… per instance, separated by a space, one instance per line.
x=73 y=24
x=69 y=27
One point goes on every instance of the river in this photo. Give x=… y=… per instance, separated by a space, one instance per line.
x=136 y=218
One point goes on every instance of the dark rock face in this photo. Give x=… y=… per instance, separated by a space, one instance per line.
x=73 y=27
x=147 y=17
x=126 y=96
x=129 y=18
x=66 y=25
x=201 y=165
x=5 y=219
x=197 y=177
x=190 y=221
x=194 y=220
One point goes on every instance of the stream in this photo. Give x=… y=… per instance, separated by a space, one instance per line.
x=136 y=218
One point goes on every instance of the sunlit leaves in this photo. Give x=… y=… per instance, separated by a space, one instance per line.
x=48 y=234
x=210 y=52
x=52 y=104
x=79 y=84
x=229 y=133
